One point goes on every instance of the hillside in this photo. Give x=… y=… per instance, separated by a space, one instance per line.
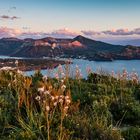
x=9 y=45
x=78 y=47
x=100 y=107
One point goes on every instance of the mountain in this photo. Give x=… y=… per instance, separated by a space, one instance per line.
x=9 y=45
x=134 y=42
x=78 y=47
x=49 y=47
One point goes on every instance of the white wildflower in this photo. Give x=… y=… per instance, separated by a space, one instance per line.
x=19 y=72
x=63 y=87
x=16 y=62
x=45 y=77
x=41 y=89
x=38 y=98
x=56 y=97
x=60 y=68
x=56 y=76
x=47 y=108
x=68 y=101
x=63 y=74
x=60 y=100
x=67 y=97
x=55 y=103
x=61 y=96
x=46 y=92
x=52 y=98
x=50 y=87
x=66 y=108
x=11 y=73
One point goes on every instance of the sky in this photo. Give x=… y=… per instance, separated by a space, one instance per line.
x=97 y=19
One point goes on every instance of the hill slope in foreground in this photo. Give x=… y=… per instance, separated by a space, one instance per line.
x=78 y=47
x=38 y=107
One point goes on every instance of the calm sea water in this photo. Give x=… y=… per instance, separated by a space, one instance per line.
x=116 y=66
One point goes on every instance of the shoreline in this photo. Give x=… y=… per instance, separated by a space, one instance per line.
x=30 y=64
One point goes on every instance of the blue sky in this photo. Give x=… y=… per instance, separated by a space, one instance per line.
x=96 y=18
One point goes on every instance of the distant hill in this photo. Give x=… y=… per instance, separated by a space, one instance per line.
x=78 y=47
x=134 y=42
x=9 y=45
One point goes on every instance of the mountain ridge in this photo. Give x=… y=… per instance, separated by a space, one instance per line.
x=78 y=47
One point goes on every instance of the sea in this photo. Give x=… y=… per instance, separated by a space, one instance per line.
x=84 y=66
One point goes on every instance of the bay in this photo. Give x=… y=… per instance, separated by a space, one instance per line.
x=105 y=66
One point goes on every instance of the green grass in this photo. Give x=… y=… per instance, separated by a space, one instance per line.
x=100 y=107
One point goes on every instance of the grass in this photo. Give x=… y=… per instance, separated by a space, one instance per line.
x=101 y=107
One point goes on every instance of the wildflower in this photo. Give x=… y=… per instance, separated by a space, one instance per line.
x=67 y=97
x=9 y=84
x=52 y=98
x=46 y=92
x=78 y=72
x=41 y=89
x=56 y=76
x=125 y=74
x=60 y=68
x=66 y=108
x=19 y=72
x=114 y=128
x=45 y=77
x=15 y=80
x=56 y=97
x=135 y=77
x=68 y=101
x=11 y=73
x=55 y=103
x=38 y=98
x=89 y=70
x=63 y=87
x=118 y=76
x=50 y=87
x=47 y=108
x=81 y=75
x=77 y=66
x=61 y=96
x=61 y=101
x=44 y=101
x=113 y=73
x=63 y=74
x=16 y=62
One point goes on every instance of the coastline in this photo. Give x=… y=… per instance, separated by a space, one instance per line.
x=30 y=64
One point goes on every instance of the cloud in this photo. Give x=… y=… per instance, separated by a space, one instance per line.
x=122 y=32
x=137 y=31
x=61 y=33
x=64 y=33
x=90 y=33
x=9 y=32
x=6 y=17
x=32 y=35
x=118 y=32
